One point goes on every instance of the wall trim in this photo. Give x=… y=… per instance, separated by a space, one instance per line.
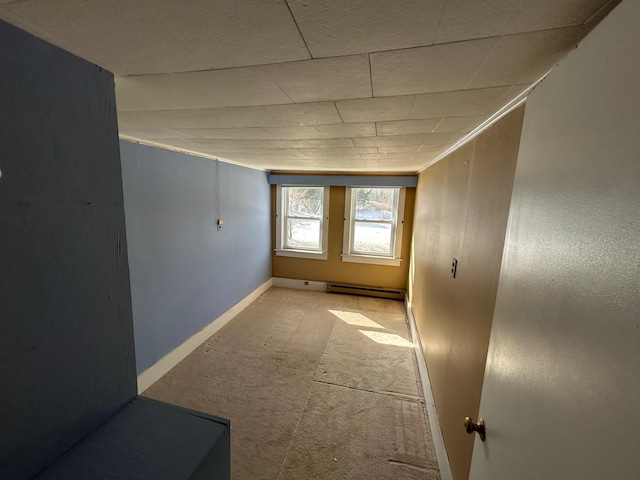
x=299 y=284
x=175 y=356
x=436 y=432
x=344 y=180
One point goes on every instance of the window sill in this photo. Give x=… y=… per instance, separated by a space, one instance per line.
x=301 y=254
x=391 y=262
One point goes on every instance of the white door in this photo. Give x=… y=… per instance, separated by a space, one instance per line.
x=561 y=394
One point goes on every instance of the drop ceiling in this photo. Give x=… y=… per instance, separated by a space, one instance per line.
x=320 y=85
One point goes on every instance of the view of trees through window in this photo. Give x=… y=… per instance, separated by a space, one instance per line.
x=373 y=220
x=303 y=214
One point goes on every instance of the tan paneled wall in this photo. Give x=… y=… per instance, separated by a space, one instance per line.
x=334 y=269
x=462 y=205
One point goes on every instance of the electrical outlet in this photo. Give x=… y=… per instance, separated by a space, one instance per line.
x=220 y=223
x=454 y=267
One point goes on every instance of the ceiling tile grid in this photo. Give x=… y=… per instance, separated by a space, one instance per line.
x=313 y=85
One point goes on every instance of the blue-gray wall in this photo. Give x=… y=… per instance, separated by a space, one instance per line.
x=66 y=336
x=184 y=272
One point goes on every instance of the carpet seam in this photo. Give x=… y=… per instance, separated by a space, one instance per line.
x=295 y=430
x=403 y=396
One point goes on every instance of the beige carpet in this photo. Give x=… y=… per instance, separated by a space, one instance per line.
x=317 y=386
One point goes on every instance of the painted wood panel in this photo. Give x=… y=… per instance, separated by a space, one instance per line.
x=462 y=207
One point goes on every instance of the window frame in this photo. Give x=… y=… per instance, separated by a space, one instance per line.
x=281 y=215
x=348 y=253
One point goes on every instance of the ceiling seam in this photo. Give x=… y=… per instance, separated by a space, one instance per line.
x=370 y=74
x=286 y=2
x=266 y=105
x=435 y=35
x=277 y=85
x=260 y=128
x=415 y=47
x=340 y=114
x=411 y=109
x=482 y=65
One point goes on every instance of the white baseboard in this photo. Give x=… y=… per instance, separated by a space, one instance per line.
x=436 y=432
x=299 y=284
x=175 y=356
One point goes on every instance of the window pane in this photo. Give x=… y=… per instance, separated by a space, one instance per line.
x=302 y=234
x=374 y=203
x=372 y=238
x=303 y=201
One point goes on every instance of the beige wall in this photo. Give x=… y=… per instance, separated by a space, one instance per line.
x=334 y=269
x=462 y=205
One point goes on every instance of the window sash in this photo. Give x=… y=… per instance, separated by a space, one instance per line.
x=287 y=223
x=391 y=253
x=284 y=219
x=388 y=253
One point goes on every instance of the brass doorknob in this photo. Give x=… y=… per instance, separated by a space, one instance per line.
x=471 y=427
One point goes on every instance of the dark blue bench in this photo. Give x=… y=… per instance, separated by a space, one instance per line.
x=151 y=440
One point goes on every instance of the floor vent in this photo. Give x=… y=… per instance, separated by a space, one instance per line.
x=390 y=293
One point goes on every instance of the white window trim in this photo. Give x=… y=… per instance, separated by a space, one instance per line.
x=347 y=256
x=324 y=228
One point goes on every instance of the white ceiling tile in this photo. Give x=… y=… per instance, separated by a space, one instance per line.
x=348 y=130
x=344 y=158
x=455 y=104
x=148 y=36
x=333 y=28
x=179 y=143
x=142 y=121
x=274 y=114
x=407 y=126
x=525 y=57
x=331 y=142
x=428 y=69
x=219 y=88
x=323 y=79
x=274 y=153
x=226 y=133
x=233 y=117
x=463 y=20
x=458 y=124
x=322 y=113
x=320 y=152
x=426 y=139
x=378 y=141
x=148 y=133
x=251 y=143
x=399 y=149
x=378 y=156
x=294 y=133
x=357 y=150
x=375 y=109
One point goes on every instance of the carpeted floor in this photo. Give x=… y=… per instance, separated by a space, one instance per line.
x=317 y=386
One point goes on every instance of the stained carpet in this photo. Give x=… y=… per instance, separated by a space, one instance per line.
x=317 y=386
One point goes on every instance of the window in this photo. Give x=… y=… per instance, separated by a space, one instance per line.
x=302 y=222
x=373 y=225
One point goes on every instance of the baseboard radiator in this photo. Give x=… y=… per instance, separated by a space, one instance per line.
x=377 y=292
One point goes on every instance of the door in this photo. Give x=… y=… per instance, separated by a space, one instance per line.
x=561 y=393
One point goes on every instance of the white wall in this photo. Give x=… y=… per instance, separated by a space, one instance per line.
x=561 y=395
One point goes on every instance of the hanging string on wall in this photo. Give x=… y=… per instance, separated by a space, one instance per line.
x=218 y=196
